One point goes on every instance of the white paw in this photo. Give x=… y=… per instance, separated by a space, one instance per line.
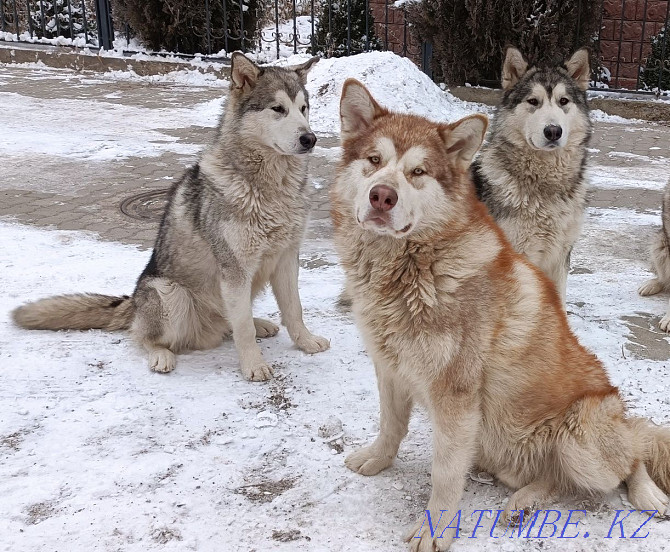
x=265 y=328
x=256 y=370
x=367 y=461
x=650 y=287
x=420 y=538
x=648 y=497
x=162 y=360
x=312 y=343
x=664 y=324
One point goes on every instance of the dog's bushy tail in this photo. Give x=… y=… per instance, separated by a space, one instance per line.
x=655 y=444
x=81 y=311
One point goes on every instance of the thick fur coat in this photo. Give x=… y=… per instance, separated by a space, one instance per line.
x=531 y=171
x=457 y=321
x=659 y=252
x=233 y=224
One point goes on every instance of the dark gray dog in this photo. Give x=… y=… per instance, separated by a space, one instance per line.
x=530 y=173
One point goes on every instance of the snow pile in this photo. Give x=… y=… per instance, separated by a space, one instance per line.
x=602 y=117
x=395 y=82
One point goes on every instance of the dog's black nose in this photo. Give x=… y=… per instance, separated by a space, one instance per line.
x=308 y=140
x=553 y=132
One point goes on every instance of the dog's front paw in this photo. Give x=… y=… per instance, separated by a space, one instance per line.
x=367 y=461
x=311 y=344
x=256 y=371
x=423 y=537
x=650 y=287
x=664 y=324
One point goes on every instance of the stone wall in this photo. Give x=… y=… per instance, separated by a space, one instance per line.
x=626 y=32
x=397 y=33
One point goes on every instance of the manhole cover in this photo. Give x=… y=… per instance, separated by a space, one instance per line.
x=147 y=206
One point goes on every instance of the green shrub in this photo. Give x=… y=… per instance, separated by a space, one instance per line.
x=331 y=29
x=657 y=62
x=181 y=25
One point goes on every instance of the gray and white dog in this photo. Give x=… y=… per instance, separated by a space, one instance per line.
x=530 y=174
x=660 y=259
x=233 y=223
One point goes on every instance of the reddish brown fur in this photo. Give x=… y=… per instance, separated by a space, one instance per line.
x=455 y=319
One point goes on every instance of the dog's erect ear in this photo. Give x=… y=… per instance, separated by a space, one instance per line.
x=579 y=69
x=357 y=109
x=514 y=67
x=304 y=68
x=243 y=71
x=463 y=139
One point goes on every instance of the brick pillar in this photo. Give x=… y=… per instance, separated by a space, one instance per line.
x=625 y=37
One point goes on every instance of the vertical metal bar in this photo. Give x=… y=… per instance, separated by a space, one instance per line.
x=83 y=11
x=575 y=43
x=348 y=27
x=426 y=57
x=208 y=28
x=225 y=26
x=277 y=26
x=618 y=61
x=386 y=24
x=242 y=25
x=69 y=14
x=313 y=38
x=30 y=18
x=41 y=17
x=56 y=17
x=16 y=20
x=404 y=31
x=367 y=25
x=2 y=15
x=295 y=30
x=103 y=17
x=644 y=24
x=662 y=67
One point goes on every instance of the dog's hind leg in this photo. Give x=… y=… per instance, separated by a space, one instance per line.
x=531 y=497
x=643 y=493
x=161 y=359
x=265 y=328
x=165 y=322
x=650 y=287
x=664 y=324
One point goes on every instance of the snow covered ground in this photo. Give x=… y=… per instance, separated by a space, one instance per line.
x=98 y=453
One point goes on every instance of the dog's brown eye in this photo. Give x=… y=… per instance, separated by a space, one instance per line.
x=564 y=101
x=374 y=159
x=278 y=109
x=533 y=102
x=303 y=109
x=418 y=172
